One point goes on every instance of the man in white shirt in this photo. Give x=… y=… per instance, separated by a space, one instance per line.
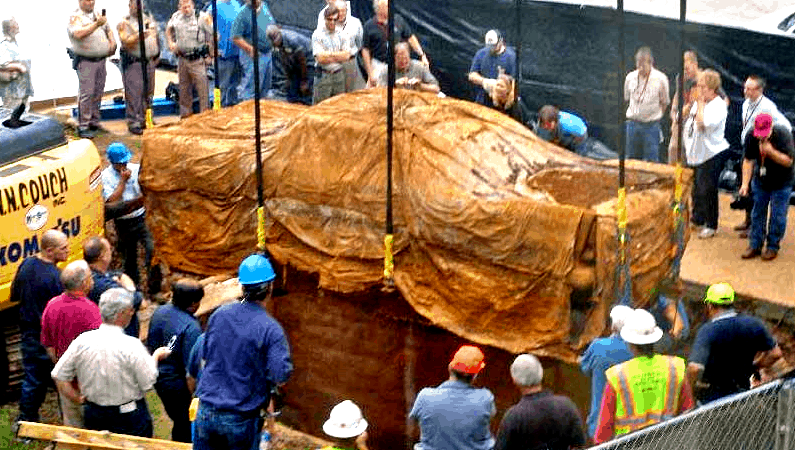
x=331 y=51
x=120 y=183
x=756 y=103
x=704 y=147
x=646 y=91
x=351 y=30
x=113 y=371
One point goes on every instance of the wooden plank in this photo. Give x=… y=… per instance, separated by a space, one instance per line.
x=77 y=438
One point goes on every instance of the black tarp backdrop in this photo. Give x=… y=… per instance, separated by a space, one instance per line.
x=568 y=53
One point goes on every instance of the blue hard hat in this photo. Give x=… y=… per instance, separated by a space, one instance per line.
x=255 y=269
x=118 y=153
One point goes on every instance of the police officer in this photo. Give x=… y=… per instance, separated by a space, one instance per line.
x=92 y=42
x=132 y=66
x=247 y=355
x=188 y=35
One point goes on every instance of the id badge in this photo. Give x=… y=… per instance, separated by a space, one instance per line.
x=128 y=407
x=762 y=171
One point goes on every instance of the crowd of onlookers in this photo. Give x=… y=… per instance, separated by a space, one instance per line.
x=216 y=379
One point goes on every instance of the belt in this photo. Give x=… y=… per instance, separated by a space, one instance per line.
x=92 y=58
x=124 y=408
x=330 y=71
x=191 y=55
x=253 y=414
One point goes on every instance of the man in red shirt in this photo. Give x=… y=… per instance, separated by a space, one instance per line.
x=66 y=317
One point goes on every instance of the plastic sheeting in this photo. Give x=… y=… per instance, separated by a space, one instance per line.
x=490 y=221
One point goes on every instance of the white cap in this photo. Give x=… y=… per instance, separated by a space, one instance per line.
x=345 y=421
x=640 y=328
x=618 y=316
x=492 y=37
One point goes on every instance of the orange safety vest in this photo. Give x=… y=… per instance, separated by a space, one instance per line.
x=647 y=391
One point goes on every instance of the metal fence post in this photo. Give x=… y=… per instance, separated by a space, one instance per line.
x=785 y=415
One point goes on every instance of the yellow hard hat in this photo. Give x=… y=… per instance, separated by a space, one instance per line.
x=720 y=294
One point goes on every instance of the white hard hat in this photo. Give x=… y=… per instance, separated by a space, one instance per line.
x=640 y=328
x=345 y=421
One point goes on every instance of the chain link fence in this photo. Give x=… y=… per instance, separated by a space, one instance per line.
x=762 y=418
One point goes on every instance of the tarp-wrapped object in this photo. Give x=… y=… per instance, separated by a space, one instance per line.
x=490 y=222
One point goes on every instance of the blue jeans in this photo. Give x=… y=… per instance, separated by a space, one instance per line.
x=643 y=140
x=775 y=228
x=216 y=429
x=228 y=80
x=37 y=365
x=246 y=89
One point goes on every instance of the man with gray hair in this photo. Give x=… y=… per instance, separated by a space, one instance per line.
x=113 y=371
x=602 y=354
x=540 y=419
x=65 y=318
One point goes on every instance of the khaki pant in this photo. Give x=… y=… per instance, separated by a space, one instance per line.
x=91 y=76
x=192 y=74
x=72 y=412
x=328 y=85
x=135 y=108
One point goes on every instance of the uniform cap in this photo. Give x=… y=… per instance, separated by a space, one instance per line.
x=468 y=359
x=493 y=37
x=720 y=294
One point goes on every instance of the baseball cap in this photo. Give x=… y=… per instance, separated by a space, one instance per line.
x=720 y=294
x=640 y=328
x=762 y=125
x=118 y=153
x=468 y=359
x=493 y=37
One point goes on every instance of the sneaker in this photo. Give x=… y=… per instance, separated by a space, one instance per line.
x=751 y=252
x=706 y=233
x=136 y=131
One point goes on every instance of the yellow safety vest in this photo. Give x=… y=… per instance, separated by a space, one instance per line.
x=647 y=391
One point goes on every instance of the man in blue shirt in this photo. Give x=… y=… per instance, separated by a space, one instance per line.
x=601 y=355
x=228 y=54
x=455 y=415
x=570 y=131
x=488 y=64
x=36 y=282
x=242 y=33
x=174 y=326
x=98 y=254
x=246 y=355
x=729 y=349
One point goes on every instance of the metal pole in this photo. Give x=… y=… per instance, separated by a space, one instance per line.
x=257 y=143
x=144 y=64
x=518 y=14
x=621 y=113
x=681 y=85
x=388 y=238
x=216 y=89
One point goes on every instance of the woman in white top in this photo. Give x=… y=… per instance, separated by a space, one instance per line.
x=704 y=147
x=15 y=87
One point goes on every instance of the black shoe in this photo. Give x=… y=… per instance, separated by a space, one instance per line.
x=85 y=133
x=97 y=128
x=136 y=131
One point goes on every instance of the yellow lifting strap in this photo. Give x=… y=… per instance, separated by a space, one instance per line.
x=149 y=121
x=261 y=228
x=77 y=438
x=216 y=99
x=389 y=261
x=621 y=210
